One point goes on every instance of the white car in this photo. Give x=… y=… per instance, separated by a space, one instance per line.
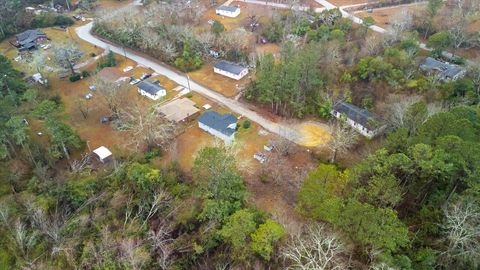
x=88 y=96
x=127 y=69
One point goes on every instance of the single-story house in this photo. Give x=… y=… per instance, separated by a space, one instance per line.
x=228 y=11
x=29 y=39
x=221 y=126
x=179 y=109
x=151 y=90
x=444 y=70
x=231 y=70
x=359 y=119
x=102 y=153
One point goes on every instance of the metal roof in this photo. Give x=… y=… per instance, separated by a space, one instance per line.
x=150 y=87
x=446 y=69
x=356 y=114
x=228 y=8
x=29 y=36
x=230 y=67
x=218 y=122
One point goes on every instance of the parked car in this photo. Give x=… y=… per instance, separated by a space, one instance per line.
x=105 y=120
x=127 y=69
x=145 y=76
x=92 y=87
x=88 y=96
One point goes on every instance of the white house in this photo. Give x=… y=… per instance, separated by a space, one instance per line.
x=359 y=119
x=228 y=11
x=102 y=153
x=229 y=69
x=444 y=70
x=151 y=90
x=221 y=126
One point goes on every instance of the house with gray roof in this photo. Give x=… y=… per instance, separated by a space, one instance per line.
x=221 y=126
x=29 y=39
x=359 y=119
x=444 y=70
x=231 y=70
x=228 y=11
x=151 y=90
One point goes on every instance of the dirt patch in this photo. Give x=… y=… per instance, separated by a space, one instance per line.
x=313 y=134
x=340 y=3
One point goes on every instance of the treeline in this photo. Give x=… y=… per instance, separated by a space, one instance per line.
x=169 y=34
x=14 y=18
x=413 y=204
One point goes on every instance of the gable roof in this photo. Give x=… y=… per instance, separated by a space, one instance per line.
x=228 y=8
x=29 y=36
x=356 y=114
x=446 y=69
x=150 y=87
x=218 y=122
x=230 y=67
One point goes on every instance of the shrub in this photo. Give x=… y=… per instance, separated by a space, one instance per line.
x=93 y=54
x=189 y=95
x=85 y=73
x=75 y=77
x=246 y=124
x=108 y=61
x=155 y=152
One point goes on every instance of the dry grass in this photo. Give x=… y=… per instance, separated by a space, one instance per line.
x=224 y=85
x=384 y=16
x=112 y=4
x=340 y=3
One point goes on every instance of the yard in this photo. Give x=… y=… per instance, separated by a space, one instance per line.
x=384 y=16
x=222 y=84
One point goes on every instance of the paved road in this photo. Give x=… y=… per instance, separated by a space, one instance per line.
x=277 y=128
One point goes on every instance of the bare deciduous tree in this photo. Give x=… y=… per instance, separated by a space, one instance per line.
x=113 y=94
x=462 y=233
x=342 y=138
x=315 y=248
x=66 y=55
x=147 y=125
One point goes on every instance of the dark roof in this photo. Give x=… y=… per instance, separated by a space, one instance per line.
x=218 y=122
x=447 y=69
x=228 y=8
x=29 y=36
x=356 y=114
x=150 y=87
x=230 y=67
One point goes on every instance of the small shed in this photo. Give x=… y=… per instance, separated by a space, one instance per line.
x=103 y=153
x=228 y=11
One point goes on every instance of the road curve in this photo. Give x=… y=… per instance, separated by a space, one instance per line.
x=280 y=129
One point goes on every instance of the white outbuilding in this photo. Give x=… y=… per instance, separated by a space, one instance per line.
x=228 y=11
x=151 y=90
x=103 y=153
x=231 y=70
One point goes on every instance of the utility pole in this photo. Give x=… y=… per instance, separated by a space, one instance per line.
x=188 y=81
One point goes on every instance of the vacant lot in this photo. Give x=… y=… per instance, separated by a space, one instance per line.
x=384 y=16
x=313 y=134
